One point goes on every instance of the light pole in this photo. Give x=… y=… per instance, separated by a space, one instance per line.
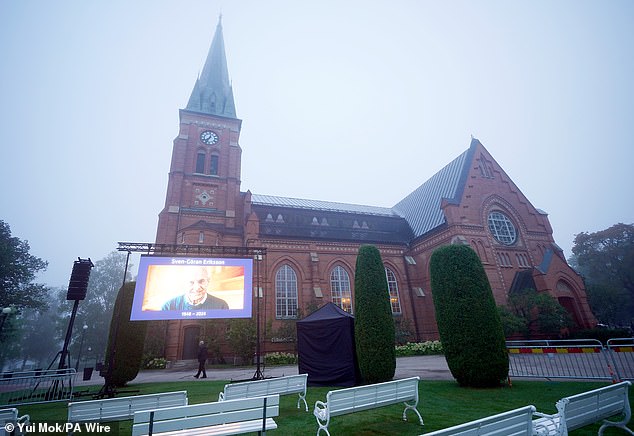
x=6 y=311
x=81 y=344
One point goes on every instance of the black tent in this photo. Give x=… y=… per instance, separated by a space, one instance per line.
x=325 y=347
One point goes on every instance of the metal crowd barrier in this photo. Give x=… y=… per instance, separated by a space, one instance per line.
x=572 y=358
x=39 y=386
x=622 y=353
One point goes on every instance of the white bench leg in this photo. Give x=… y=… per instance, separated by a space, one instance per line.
x=321 y=427
x=322 y=416
x=412 y=407
x=619 y=424
x=302 y=397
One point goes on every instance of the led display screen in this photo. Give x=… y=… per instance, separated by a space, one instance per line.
x=192 y=288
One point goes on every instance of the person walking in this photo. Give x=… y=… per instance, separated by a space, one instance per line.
x=202 y=358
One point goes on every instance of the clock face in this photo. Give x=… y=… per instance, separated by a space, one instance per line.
x=208 y=137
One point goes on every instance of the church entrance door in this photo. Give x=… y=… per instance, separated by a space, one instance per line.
x=190 y=342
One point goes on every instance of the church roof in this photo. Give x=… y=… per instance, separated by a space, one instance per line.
x=212 y=93
x=420 y=209
x=298 y=203
x=283 y=217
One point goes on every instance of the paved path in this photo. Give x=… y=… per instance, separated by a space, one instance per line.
x=426 y=367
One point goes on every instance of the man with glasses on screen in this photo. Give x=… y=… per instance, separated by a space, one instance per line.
x=196 y=296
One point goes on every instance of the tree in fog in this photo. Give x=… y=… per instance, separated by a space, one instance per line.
x=18 y=269
x=18 y=291
x=95 y=311
x=605 y=259
x=40 y=340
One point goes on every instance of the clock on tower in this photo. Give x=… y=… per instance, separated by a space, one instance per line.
x=208 y=137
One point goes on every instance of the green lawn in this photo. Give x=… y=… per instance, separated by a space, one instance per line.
x=442 y=404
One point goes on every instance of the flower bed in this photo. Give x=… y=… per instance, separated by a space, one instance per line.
x=419 y=349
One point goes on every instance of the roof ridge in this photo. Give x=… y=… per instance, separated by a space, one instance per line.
x=320 y=201
x=421 y=207
x=302 y=203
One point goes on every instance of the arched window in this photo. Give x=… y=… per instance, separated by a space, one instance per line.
x=392 y=286
x=340 y=287
x=213 y=166
x=285 y=293
x=200 y=162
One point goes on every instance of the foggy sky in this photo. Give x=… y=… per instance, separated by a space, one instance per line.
x=355 y=102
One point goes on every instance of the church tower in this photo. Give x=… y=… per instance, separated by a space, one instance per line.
x=203 y=205
x=203 y=192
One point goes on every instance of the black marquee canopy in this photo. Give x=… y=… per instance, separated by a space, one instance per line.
x=326 y=348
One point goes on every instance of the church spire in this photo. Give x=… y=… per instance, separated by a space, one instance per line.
x=212 y=93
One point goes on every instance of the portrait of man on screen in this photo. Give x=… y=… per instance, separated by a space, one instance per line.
x=196 y=295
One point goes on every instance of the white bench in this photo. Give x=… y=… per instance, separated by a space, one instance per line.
x=227 y=417
x=122 y=408
x=515 y=422
x=359 y=398
x=587 y=408
x=10 y=416
x=281 y=385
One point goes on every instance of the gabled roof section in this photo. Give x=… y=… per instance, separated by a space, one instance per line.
x=328 y=311
x=297 y=203
x=545 y=265
x=421 y=209
x=522 y=280
x=212 y=93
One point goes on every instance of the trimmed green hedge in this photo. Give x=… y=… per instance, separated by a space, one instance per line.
x=373 y=322
x=128 y=347
x=468 y=322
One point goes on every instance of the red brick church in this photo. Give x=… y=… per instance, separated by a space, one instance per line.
x=311 y=245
